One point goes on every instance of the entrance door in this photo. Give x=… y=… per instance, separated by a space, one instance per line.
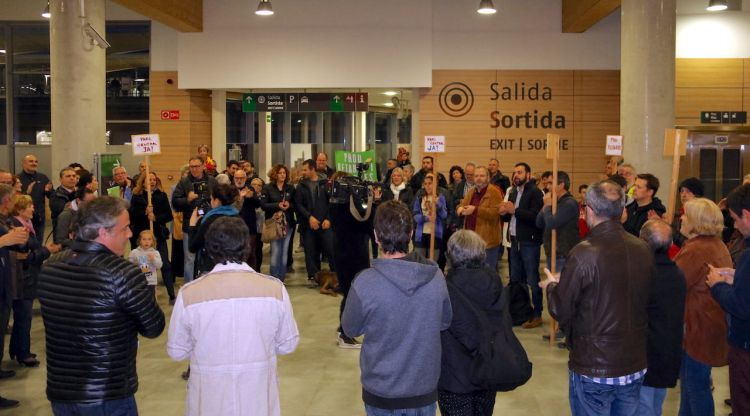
x=719 y=159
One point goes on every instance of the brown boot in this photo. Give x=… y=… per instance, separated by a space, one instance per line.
x=532 y=323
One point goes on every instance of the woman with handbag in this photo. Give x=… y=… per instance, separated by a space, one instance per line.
x=160 y=214
x=277 y=202
x=705 y=341
x=473 y=288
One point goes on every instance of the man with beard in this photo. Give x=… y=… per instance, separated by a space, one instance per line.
x=418 y=178
x=521 y=210
x=479 y=210
x=311 y=203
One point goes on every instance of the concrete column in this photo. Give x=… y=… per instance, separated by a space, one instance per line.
x=360 y=131
x=219 y=128
x=78 y=84
x=264 y=145
x=647 y=84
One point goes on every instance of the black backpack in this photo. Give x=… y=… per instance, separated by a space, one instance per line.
x=520 y=302
x=499 y=363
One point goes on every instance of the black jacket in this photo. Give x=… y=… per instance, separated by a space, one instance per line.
x=270 y=198
x=27 y=271
x=94 y=305
x=57 y=202
x=666 y=313
x=406 y=196
x=501 y=181
x=37 y=192
x=203 y=264
x=247 y=207
x=637 y=216
x=418 y=178
x=184 y=187
x=139 y=219
x=308 y=204
x=484 y=287
x=565 y=221
x=529 y=207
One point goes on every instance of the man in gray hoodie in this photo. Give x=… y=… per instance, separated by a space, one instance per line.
x=400 y=304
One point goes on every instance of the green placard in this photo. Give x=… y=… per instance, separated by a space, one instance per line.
x=347 y=162
x=108 y=161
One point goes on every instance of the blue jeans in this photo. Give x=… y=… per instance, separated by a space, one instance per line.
x=189 y=272
x=492 y=256
x=695 y=388
x=119 y=407
x=20 y=337
x=651 y=401
x=279 y=256
x=524 y=269
x=429 y=410
x=593 y=399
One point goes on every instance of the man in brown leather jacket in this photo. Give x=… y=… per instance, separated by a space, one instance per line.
x=601 y=300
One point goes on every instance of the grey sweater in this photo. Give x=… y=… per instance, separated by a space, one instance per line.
x=400 y=305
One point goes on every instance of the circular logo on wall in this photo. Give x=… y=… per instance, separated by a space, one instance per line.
x=456 y=99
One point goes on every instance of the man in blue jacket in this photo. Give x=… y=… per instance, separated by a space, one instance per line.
x=731 y=288
x=400 y=304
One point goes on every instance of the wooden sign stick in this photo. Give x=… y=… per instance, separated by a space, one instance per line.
x=147 y=180
x=433 y=207
x=676 y=150
x=553 y=151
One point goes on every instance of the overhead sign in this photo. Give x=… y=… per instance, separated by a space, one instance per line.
x=170 y=114
x=613 y=146
x=305 y=102
x=145 y=144
x=434 y=144
x=723 y=117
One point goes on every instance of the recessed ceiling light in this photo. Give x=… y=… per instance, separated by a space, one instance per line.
x=388 y=104
x=390 y=93
x=486 y=7
x=264 y=8
x=716 y=5
x=2 y=50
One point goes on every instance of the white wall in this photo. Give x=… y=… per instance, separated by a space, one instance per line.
x=522 y=35
x=716 y=35
x=163 y=47
x=309 y=43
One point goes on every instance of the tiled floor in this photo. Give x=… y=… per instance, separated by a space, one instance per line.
x=319 y=378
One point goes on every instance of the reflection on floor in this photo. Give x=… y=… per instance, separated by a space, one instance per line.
x=319 y=379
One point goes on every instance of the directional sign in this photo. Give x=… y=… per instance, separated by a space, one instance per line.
x=305 y=102
x=723 y=117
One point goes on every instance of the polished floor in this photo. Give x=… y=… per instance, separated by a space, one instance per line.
x=319 y=379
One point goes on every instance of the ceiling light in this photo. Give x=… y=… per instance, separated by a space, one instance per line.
x=46 y=14
x=390 y=93
x=716 y=5
x=140 y=80
x=388 y=104
x=486 y=7
x=264 y=8
x=2 y=50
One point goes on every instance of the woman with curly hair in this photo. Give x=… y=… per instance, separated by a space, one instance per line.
x=277 y=200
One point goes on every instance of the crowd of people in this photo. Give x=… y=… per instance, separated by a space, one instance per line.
x=642 y=300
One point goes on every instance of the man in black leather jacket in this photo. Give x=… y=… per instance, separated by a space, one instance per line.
x=601 y=302
x=94 y=305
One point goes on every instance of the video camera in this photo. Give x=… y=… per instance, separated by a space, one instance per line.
x=353 y=190
x=204 y=197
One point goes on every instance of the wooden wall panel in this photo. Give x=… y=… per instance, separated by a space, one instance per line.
x=746 y=71
x=429 y=108
x=597 y=82
x=708 y=73
x=689 y=102
x=597 y=108
x=561 y=82
x=594 y=133
x=478 y=81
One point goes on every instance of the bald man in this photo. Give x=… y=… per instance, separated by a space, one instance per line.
x=38 y=186
x=666 y=309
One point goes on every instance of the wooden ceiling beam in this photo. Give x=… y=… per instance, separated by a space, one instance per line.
x=182 y=15
x=580 y=15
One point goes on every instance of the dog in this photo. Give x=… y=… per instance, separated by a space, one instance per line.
x=328 y=283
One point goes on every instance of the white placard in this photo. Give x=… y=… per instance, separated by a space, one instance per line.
x=614 y=146
x=145 y=144
x=434 y=144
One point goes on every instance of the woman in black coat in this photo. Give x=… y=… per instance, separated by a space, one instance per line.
x=161 y=215
x=247 y=201
x=28 y=262
x=468 y=279
x=277 y=199
x=223 y=197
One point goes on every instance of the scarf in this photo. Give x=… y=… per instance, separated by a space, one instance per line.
x=26 y=224
x=397 y=190
x=225 y=210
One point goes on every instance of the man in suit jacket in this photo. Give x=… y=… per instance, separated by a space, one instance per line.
x=521 y=210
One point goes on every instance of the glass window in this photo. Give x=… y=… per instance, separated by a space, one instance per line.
x=3 y=124
x=31 y=81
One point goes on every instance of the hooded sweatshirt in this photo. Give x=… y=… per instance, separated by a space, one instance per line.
x=400 y=305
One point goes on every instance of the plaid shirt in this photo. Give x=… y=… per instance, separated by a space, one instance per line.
x=618 y=381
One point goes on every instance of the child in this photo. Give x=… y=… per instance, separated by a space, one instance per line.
x=147 y=257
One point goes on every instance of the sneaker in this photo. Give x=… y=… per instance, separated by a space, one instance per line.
x=728 y=402
x=558 y=335
x=347 y=342
x=532 y=323
x=172 y=301
x=8 y=403
x=311 y=283
x=7 y=373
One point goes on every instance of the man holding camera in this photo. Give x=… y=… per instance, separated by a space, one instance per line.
x=193 y=191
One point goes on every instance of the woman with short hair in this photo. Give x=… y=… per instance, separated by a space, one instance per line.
x=472 y=285
x=705 y=341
